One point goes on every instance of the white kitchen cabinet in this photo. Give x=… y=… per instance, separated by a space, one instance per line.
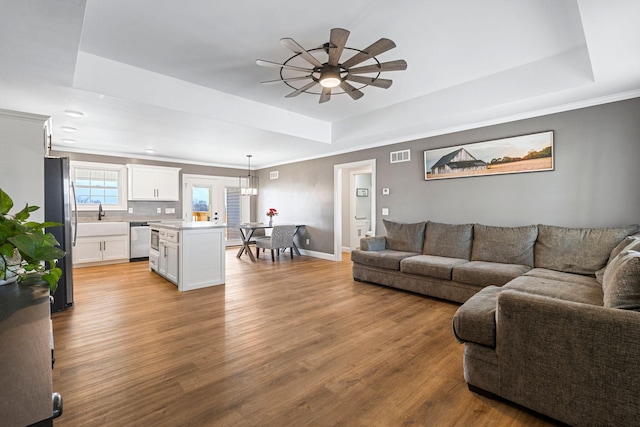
x=101 y=243
x=191 y=254
x=168 y=263
x=153 y=183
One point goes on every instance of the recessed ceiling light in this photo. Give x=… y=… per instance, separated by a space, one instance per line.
x=75 y=114
x=149 y=151
x=69 y=129
x=69 y=141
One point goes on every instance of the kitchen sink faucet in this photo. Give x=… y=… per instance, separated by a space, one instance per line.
x=101 y=212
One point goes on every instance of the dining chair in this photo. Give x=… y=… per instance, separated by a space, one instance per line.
x=281 y=238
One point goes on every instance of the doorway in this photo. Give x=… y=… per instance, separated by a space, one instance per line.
x=345 y=195
x=216 y=199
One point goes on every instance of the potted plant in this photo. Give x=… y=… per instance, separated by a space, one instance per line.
x=27 y=252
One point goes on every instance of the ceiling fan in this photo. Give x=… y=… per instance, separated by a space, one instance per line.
x=332 y=73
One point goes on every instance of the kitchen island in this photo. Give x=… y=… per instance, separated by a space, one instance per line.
x=191 y=255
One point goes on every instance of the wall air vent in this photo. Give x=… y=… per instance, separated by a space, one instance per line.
x=273 y=175
x=400 y=156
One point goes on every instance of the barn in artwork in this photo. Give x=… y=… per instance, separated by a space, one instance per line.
x=458 y=161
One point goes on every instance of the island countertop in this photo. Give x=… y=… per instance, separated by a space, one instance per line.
x=187 y=225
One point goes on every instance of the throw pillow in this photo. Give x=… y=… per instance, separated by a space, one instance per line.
x=622 y=282
x=448 y=240
x=630 y=243
x=404 y=237
x=577 y=250
x=507 y=245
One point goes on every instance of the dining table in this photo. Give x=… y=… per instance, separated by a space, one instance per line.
x=246 y=233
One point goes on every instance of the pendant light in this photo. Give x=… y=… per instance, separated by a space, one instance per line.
x=249 y=183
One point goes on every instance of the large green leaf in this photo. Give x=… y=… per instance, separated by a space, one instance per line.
x=5 y=203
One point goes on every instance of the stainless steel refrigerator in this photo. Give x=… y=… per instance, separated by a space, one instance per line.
x=57 y=207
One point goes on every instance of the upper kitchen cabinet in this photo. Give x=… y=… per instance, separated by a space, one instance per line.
x=154 y=183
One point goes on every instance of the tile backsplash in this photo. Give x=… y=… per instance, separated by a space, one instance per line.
x=142 y=211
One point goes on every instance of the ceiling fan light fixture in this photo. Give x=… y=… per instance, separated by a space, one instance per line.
x=334 y=73
x=330 y=80
x=330 y=77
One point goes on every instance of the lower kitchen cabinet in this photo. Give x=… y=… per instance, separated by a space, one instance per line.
x=168 y=263
x=191 y=255
x=102 y=249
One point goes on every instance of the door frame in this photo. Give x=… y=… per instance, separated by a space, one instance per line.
x=222 y=182
x=338 y=208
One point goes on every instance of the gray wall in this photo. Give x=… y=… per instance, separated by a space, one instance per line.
x=593 y=185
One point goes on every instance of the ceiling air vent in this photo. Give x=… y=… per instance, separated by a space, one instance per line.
x=400 y=156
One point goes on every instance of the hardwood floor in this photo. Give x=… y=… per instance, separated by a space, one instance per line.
x=291 y=343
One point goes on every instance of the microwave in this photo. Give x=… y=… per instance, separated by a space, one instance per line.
x=155 y=239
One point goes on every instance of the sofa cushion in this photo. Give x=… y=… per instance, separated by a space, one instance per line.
x=484 y=273
x=404 y=237
x=429 y=265
x=577 y=250
x=561 y=276
x=387 y=259
x=630 y=243
x=475 y=320
x=582 y=292
x=448 y=240
x=506 y=245
x=622 y=282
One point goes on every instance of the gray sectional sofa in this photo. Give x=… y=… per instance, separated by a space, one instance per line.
x=550 y=317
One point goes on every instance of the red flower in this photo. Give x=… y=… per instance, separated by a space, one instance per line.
x=272 y=212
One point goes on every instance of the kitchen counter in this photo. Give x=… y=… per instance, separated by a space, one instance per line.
x=188 y=225
x=189 y=254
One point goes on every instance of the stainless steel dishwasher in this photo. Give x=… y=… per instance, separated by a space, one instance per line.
x=139 y=241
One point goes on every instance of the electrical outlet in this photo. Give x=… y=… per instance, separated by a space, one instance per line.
x=169 y=210
x=307 y=241
x=385 y=211
x=159 y=210
x=130 y=210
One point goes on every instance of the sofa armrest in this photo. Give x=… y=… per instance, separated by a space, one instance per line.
x=374 y=243
x=574 y=362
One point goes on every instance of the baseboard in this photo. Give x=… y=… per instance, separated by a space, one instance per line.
x=314 y=254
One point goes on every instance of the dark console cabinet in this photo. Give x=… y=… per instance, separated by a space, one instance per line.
x=25 y=356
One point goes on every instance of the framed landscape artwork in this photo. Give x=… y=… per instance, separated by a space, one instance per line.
x=516 y=154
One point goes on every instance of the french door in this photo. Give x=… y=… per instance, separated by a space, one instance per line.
x=215 y=199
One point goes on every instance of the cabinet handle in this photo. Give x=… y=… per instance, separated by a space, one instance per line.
x=105 y=246
x=100 y=243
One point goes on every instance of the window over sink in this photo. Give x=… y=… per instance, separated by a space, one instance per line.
x=99 y=183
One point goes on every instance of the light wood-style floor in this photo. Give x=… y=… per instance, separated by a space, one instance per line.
x=290 y=343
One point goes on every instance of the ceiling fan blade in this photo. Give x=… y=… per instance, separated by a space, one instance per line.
x=289 y=79
x=398 y=65
x=264 y=63
x=296 y=48
x=375 y=49
x=351 y=91
x=326 y=95
x=338 y=39
x=302 y=89
x=383 y=83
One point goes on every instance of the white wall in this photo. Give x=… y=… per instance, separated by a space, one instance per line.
x=22 y=152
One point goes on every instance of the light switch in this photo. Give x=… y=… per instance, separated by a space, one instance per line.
x=385 y=191
x=385 y=211
x=159 y=210
x=130 y=210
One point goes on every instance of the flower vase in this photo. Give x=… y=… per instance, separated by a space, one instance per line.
x=270 y=221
